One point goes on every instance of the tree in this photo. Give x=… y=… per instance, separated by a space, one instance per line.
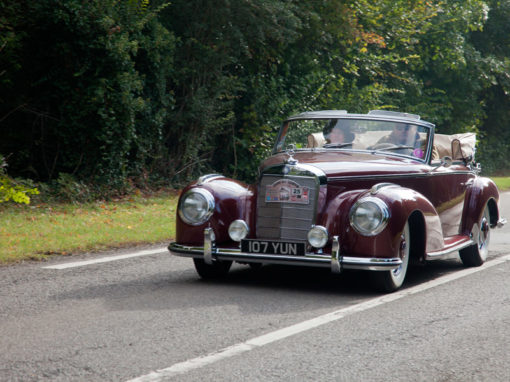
x=88 y=95
x=136 y=91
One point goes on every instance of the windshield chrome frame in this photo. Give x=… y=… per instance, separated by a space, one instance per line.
x=318 y=116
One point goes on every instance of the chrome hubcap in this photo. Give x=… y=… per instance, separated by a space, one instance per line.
x=484 y=232
x=403 y=256
x=483 y=235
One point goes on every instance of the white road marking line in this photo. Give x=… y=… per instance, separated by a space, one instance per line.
x=265 y=339
x=106 y=259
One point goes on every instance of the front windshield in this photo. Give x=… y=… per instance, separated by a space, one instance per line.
x=403 y=138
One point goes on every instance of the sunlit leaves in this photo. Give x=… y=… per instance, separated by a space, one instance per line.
x=10 y=190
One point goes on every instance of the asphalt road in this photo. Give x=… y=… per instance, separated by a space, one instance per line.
x=151 y=318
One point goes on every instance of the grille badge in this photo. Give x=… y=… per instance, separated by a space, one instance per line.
x=287 y=191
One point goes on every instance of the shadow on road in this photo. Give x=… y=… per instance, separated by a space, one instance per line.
x=319 y=280
x=268 y=289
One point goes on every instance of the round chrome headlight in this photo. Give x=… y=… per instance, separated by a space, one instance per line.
x=238 y=230
x=369 y=216
x=318 y=236
x=196 y=206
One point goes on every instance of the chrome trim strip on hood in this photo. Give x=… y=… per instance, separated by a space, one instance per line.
x=298 y=169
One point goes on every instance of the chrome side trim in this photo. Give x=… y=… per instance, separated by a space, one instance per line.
x=352 y=178
x=310 y=259
x=439 y=254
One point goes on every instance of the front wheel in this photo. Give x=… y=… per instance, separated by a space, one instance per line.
x=390 y=281
x=217 y=269
x=476 y=254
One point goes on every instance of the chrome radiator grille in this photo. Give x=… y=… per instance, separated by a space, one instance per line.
x=285 y=220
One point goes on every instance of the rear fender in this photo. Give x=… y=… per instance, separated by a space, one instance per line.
x=480 y=192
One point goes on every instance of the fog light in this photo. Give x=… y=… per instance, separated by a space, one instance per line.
x=318 y=236
x=238 y=230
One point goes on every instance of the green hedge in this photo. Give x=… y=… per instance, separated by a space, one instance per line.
x=122 y=93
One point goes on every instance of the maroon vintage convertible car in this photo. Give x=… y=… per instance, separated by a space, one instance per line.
x=345 y=191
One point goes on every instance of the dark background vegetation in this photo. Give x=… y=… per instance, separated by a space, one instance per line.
x=99 y=96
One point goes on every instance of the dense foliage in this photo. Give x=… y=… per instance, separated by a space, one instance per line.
x=115 y=93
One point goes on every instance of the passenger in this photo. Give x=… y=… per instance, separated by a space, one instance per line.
x=338 y=131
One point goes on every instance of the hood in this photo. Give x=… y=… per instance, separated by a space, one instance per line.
x=350 y=163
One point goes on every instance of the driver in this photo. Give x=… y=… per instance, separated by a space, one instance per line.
x=405 y=140
x=402 y=135
x=338 y=131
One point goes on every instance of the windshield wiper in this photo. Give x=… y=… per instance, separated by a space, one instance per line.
x=337 y=145
x=388 y=146
x=397 y=148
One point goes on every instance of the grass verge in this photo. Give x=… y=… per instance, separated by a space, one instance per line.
x=36 y=231
x=503 y=182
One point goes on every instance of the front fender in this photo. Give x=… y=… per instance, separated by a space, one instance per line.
x=233 y=200
x=402 y=203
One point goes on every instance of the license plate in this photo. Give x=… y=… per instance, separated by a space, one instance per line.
x=270 y=247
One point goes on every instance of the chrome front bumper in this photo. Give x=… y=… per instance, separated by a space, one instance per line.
x=336 y=261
